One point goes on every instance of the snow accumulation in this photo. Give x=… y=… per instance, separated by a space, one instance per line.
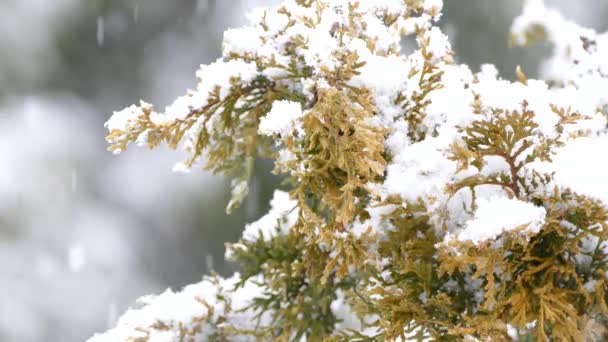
x=579 y=165
x=580 y=54
x=420 y=168
x=281 y=217
x=194 y=311
x=282 y=118
x=122 y=120
x=500 y=214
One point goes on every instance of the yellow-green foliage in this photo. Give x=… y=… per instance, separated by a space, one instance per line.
x=541 y=279
x=400 y=273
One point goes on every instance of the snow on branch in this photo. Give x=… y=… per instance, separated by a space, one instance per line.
x=422 y=200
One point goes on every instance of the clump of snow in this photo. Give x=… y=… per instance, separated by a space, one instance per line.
x=343 y=311
x=501 y=214
x=439 y=45
x=218 y=75
x=581 y=165
x=242 y=40
x=580 y=54
x=167 y=316
x=283 y=215
x=221 y=73
x=419 y=170
x=433 y=5
x=282 y=118
x=122 y=120
x=384 y=75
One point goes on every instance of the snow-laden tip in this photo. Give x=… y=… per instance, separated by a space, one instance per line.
x=282 y=118
x=501 y=214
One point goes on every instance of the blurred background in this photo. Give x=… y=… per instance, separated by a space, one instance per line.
x=84 y=233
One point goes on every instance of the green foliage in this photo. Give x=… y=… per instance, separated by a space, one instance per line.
x=296 y=293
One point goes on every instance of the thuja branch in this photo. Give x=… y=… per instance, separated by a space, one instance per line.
x=375 y=236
